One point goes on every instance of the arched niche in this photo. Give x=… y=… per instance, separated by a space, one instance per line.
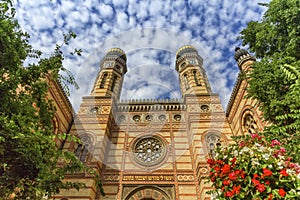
x=147 y=193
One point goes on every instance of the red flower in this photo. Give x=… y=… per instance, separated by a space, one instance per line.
x=236 y=189
x=255 y=176
x=226 y=182
x=233 y=160
x=275 y=142
x=261 y=187
x=282 y=150
x=243 y=174
x=267 y=172
x=211 y=162
x=232 y=176
x=270 y=197
x=283 y=173
x=229 y=194
x=220 y=162
x=217 y=169
x=281 y=192
x=255 y=182
x=226 y=168
x=255 y=135
x=241 y=144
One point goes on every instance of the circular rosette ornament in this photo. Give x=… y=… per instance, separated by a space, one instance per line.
x=149 y=150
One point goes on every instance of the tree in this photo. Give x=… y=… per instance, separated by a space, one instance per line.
x=28 y=153
x=274 y=80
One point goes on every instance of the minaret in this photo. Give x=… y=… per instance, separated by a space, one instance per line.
x=243 y=59
x=110 y=77
x=93 y=122
x=192 y=76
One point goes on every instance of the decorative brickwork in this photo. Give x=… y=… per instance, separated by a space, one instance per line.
x=154 y=149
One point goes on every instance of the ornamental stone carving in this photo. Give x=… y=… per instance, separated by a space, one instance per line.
x=149 y=151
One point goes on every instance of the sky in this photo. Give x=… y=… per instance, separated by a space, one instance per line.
x=150 y=32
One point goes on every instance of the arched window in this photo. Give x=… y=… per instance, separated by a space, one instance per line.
x=186 y=81
x=113 y=84
x=104 y=77
x=182 y=65
x=196 y=78
x=249 y=124
x=82 y=150
x=212 y=142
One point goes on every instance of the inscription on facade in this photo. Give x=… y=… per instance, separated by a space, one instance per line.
x=148 y=178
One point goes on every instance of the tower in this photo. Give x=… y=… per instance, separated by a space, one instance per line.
x=243 y=113
x=110 y=77
x=93 y=123
x=192 y=76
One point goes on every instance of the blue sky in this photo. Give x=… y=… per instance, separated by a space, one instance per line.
x=150 y=32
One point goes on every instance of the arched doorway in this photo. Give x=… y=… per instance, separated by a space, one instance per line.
x=147 y=193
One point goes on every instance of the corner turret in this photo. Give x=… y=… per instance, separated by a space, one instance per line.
x=243 y=59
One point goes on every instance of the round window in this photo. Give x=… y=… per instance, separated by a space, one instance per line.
x=204 y=107
x=149 y=118
x=162 y=117
x=136 y=118
x=122 y=118
x=177 y=117
x=149 y=151
x=94 y=110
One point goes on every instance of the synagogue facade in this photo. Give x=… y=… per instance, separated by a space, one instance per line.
x=153 y=149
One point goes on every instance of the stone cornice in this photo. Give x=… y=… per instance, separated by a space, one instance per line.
x=61 y=97
x=151 y=104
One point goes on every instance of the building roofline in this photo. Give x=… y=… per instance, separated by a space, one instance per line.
x=233 y=94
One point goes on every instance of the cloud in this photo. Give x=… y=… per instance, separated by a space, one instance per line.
x=105 y=11
x=150 y=32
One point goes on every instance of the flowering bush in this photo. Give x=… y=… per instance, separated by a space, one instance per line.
x=254 y=169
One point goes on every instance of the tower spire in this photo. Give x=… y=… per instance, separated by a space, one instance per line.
x=110 y=77
x=192 y=76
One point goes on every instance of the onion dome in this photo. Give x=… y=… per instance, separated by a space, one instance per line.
x=117 y=52
x=240 y=53
x=186 y=49
x=241 y=56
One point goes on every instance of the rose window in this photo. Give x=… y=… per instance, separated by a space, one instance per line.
x=149 y=151
x=250 y=124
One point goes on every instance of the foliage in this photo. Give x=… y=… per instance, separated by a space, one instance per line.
x=28 y=153
x=266 y=166
x=274 y=80
x=278 y=32
x=254 y=169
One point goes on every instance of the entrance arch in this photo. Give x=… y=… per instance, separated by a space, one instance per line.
x=147 y=193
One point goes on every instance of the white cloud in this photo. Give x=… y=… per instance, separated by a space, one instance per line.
x=143 y=29
x=120 y=3
x=105 y=11
x=67 y=6
x=122 y=20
